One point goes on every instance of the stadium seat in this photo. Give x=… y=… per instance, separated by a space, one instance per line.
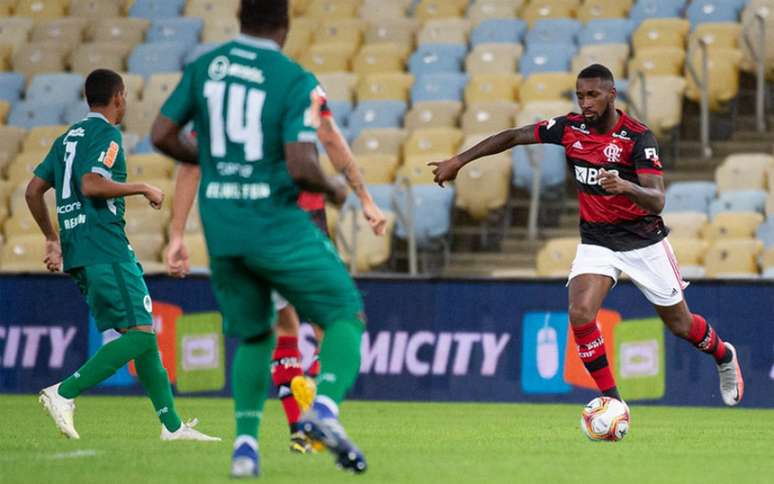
x=751 y=31
x=664 y=98
x=149 y=166
x=646 y=9
x=339 y=86
x=140 y=116
x=377 y=114
x=717 y=35
x=159 y=87
x=553 y=31
x=371 y=250
x=539 y=10
x=733 y=225
x=59 y=88
x=5 y=108
x=220 y=29
x=493 y=59
x=428 y=10
x=399 y=31
x=40 y=10
x=550 y=158
x=134 y=84
x=606 y=31
x=66 y=31
x=378 y=58
x=437 y=58
x=342 y=110
x=297 y=41
x=6 y=52
x=723 y=65
x=186 y=30
x=332 y=9
x=767 y=263
x=509 y=31
x=685 y=224
x=433 y=140
x=144 y=222
x=547 y=86
x=488 y=117
x=765 y=233
x=444 y=31
x=612 y=56
x=739 y=201
x=11 y=86
x=482 y=10
x=30 y=114
x=75 y=111
x=14 y=31
x=744 y=171
x=40 y=58
x=129 y=31
x=380 y=141
x=20 y=170
x=198 y=51
x=532 y=112
x=439 y=87
x=327 y=58
x=432 y=213
x=484 y=186
x=433 y=114
x=378 y=168
x=492 y=87
x=20 y=225
x=156 y=9
x=592 y=10
x=340 y=31
x=99 y=55
x=689 y=252
x=147 y=247
x=197 y=252
x=689 y=197
x=23 y=253
x=546 y=58
x=704 y=11
x=377 y=10
x=156 y=57
x=96 y=9
x=733 y=258
x=11 y=138
x=555 y=258
x=669 y=32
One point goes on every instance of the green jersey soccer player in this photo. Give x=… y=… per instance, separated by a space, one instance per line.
x=87 y=168
x=253 y=113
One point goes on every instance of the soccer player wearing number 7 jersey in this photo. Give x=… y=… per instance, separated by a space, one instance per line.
x=87 y=169
x=253 y=111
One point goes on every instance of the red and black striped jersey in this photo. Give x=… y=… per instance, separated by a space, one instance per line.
x=307 y=200
x=612 y=221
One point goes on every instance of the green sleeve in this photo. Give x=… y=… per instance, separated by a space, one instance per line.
x=179 y=107
x=298 y=124
x=100 y=155
x=45 y=170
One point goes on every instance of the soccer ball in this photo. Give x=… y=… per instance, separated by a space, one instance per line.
x=605 y=418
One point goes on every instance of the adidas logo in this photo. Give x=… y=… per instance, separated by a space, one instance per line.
x=577 y=145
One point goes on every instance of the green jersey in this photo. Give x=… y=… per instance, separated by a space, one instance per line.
x=246 y=100
x=91 y=230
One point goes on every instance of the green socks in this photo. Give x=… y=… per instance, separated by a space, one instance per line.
x=143 y=349
x=339 y=358
x=106 y=361
x=250 y=381
x=155 y=381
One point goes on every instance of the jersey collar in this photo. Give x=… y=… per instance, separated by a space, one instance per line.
x=259 y=42
x=99 y=116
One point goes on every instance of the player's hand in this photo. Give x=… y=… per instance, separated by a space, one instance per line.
x=375 y=217
x=154 y=195
x=612 y=183
x=53 y=258
x=176 y=258
x=339 y=194
x=446 y=170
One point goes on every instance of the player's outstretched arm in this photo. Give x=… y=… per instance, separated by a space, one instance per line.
x=343 y=161
x=94 y=185
x=34 y=195
x=306 y=172
x=447 y=170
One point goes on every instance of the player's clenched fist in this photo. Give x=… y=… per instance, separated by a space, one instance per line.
x=445 y=170
x=154 y=195
x=612 y=183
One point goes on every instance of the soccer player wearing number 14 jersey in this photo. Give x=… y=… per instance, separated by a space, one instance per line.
x=618 y=173
x=87 y=168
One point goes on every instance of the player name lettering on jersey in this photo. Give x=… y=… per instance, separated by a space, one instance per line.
x=241 y=169
x=238 y=191
x=71 y=223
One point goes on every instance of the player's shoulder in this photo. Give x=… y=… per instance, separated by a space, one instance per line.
x=633 y=126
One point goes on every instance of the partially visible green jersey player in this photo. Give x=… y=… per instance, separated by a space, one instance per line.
x=255 y=123
x=87 y=168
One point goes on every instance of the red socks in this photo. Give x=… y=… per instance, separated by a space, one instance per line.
x=285 y=365
x=591 y=349
x=704 y=337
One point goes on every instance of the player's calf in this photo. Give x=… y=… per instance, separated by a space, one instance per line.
x=593 y=354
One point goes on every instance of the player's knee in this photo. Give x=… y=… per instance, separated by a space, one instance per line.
x=582 y=313
x=680 y=327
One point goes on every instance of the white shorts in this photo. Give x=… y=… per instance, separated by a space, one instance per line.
x=279 y=301
x=653 y=269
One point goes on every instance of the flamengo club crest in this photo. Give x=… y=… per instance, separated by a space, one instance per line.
x=613 y=153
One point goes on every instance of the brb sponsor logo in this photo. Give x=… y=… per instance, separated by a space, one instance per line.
x=23 y=346
x=429 y=353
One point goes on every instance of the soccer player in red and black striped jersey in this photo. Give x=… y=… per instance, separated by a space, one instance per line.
x=618 y=174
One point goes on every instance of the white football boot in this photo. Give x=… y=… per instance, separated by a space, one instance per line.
x=187 y=432
x=731 y=381
x=61 y=410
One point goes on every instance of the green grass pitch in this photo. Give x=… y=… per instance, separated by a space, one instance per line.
x=404 y=443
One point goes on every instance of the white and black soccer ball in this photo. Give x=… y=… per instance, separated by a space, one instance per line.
x=605 y=418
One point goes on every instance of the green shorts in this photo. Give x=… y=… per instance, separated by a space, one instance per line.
x=116 y=294
x=306 y=270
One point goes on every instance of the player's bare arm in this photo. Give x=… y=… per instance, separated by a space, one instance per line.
x=343 y=161
x=96 y=186
x=165 y=136
x=649 y=194
x=34 y=195
x=447 y=170
x=306 y=172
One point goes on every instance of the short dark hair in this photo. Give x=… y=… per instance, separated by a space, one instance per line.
x=596 y=71
x=101 y=86
x=263 y=16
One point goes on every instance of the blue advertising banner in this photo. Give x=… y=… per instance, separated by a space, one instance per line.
x=449 y=340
